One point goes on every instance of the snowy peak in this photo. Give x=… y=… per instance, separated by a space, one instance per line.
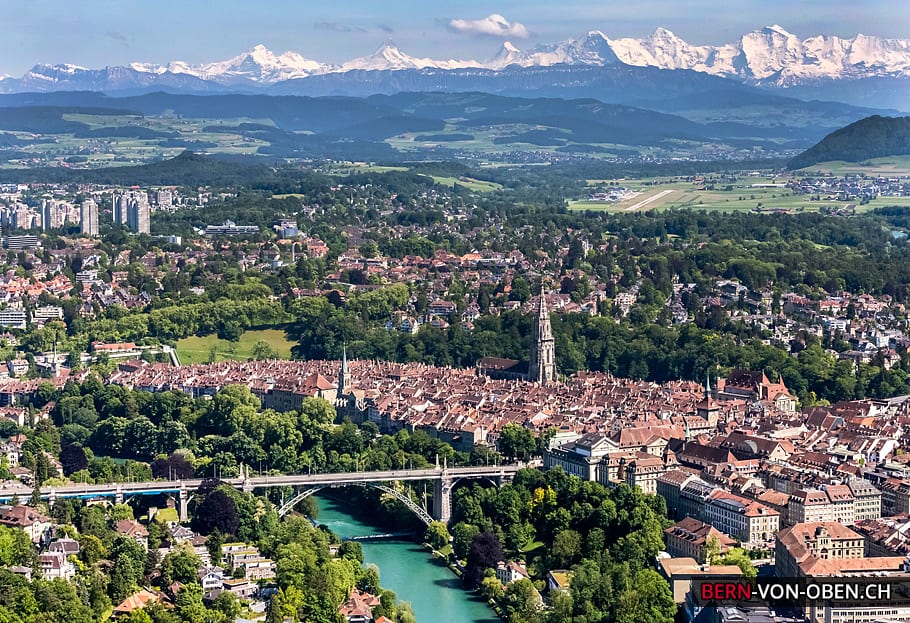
x=772 y=54
x=389 y=58
x=258 y=64
x=508 y=55
x=591 y=49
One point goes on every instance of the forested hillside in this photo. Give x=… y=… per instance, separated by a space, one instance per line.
x=873 y=137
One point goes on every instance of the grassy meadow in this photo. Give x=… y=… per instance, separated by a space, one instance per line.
x=196 y=349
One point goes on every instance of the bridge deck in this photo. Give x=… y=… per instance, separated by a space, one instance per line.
x=128 y=489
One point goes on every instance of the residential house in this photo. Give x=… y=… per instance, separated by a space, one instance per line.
x=580 y=457
x=509 y=571
x=134 y=530
x=52 y=565
x=136 y=601
x=799 y=547
x=359 y=607
x=741 y=518
x=242 y=588
x=36 y=525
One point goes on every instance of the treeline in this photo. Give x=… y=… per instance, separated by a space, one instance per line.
x=228 y=317
x=91 y=420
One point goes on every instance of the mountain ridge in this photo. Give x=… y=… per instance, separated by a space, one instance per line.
x=770 y=54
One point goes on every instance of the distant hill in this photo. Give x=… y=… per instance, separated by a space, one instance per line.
x=873 y=137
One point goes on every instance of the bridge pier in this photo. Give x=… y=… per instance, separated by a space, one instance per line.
x=442 y=498
x=118 y=495
x=183 y=499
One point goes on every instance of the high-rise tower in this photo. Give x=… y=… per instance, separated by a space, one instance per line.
x=88 y=217
x=137 y=214
x=542 y=365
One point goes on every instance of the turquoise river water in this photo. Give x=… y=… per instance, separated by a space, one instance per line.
x=408 y=569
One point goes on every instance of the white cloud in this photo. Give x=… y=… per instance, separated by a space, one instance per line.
x=494 y=25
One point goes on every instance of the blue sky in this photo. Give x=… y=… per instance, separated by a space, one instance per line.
x=95 y=33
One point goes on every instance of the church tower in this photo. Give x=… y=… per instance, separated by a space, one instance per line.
x=344 y=377
x=542 y=365
x=708 y=408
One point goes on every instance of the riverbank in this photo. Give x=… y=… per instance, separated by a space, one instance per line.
x=433 y=590
x=458 y=571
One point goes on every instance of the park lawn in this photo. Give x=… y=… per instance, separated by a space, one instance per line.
x=167 y=514
x=198 y=349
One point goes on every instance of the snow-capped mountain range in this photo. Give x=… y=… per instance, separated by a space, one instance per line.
x=769 y=56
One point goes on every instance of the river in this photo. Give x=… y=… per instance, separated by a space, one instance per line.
x=408 y=569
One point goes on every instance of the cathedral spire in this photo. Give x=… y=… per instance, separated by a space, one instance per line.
x=542 y=364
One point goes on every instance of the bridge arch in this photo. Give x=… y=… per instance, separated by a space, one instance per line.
x=492 y=481
x=424 y=516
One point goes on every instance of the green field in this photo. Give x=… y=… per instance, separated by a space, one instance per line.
x=468 y=182
x=199 y=349
x=349 y=168
x=167 y=514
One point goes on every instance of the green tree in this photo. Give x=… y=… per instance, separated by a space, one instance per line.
x=521 y=601
x=188 y=604
x=437 y=535
x=516 y=442
x=648 y=600
x=566 y=549
x=181 y=566
x=737 y=556
x=463 y=535
x=15 y=547
x=491 y=588
x=262 y=350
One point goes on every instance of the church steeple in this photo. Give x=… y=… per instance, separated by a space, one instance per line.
x=542 y=365
x=344 y=378
x=708 y=408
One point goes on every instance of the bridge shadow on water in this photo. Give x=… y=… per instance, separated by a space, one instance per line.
x=452 y=582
